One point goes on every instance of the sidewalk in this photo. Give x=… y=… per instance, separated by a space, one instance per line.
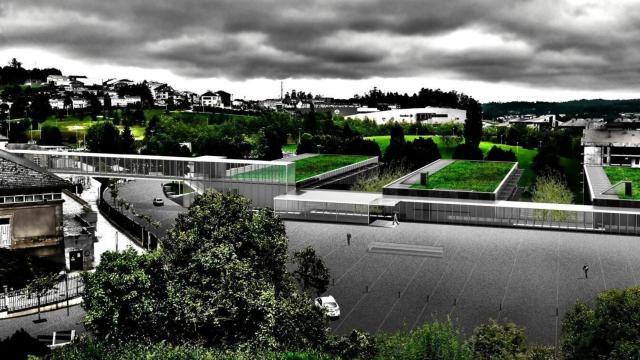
x=57 y=320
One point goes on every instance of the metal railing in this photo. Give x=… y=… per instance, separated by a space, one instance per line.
x=22 y=299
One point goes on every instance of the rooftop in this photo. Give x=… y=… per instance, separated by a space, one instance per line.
x=611 y=137
x=18 y=175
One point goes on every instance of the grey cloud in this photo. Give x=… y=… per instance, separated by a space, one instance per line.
x=241 y=39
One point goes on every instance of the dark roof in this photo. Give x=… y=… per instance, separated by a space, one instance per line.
x=21 y=176
x=208 y=93
x=222 y=92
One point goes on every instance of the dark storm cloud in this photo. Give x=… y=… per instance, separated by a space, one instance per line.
x=573 y=44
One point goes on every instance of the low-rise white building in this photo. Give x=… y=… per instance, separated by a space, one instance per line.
x=427 y=115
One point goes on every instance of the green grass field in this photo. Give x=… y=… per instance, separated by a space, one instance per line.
x=305 y=168
x=73 y=125
x=319 y=164
x=617 y=174
x=468 y=175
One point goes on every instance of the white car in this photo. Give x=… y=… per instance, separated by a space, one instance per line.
x=329 y=305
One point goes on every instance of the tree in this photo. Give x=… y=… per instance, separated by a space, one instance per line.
x=498 y=154
x=40 y=108
x=307 y=145
x=467 y=152
x=103 y=138
x=50 y=135
x=40 y=285
x=311 y=271
x=396 y=134
x=546 y=160
x=498 y=341
x=268 y=145
x=421 y=152
x=346 y=131
x=127 y=142
x=224 y=258
x=552 y=188
x=125 y=297
x=607 y=330
x=431 y=341
x=310 y=124
x=473 y=123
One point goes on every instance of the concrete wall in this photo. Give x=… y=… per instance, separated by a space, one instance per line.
x=36 y=224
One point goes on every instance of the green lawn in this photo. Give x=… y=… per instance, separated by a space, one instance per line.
x=618 y=173
x=319 y=164
x=468 y=175
x=305 y=168
x=73 y=125
x=525 y=156
x=289 y=148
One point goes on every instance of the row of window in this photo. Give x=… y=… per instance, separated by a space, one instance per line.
x=16 y=199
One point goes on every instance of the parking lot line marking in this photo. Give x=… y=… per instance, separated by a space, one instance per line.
x=604 y=281
x=455 y=303
x=426 y=303
x=557 y=293
x=351 y=268
x=365 y=294
x=506 y=287
x=415 y=274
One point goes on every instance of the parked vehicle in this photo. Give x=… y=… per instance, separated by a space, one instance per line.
x=329 y=305
x=158 y=202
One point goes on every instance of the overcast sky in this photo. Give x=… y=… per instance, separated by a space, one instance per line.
x=494 y=50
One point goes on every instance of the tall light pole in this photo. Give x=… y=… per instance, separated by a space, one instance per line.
x=517 y=149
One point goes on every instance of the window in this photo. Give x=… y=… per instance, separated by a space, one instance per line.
x=5 y=232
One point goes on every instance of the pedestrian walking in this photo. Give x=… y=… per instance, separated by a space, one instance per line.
x=585 y=268
x=395 y=219
x=348 y=239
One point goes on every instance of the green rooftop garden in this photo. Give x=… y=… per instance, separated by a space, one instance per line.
x=305 y=168
x=618 y=173
x=481 y=176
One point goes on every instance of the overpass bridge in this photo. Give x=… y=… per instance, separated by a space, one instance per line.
x=258 y=180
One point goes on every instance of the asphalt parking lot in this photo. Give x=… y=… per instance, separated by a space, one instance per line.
x=505 y=274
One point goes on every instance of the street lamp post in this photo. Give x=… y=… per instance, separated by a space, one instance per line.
x=517 y=148
x=66 y=288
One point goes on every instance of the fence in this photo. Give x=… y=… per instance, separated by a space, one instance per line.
x=22 y=299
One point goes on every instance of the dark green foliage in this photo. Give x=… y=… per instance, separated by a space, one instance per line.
x=431 y=341
x=498 y=341
x=497 y=154
x=20 y=345
x=50 y=135
x=358 y=345
x=582 y=108
x=412 y=155
x=103 y=138
x=397 y=134
x=14 y=74
x=268 y=146
x=310 y=123
x=17 y=269
x=40 y=108
x=311 y=271
x=89 y=349
x=467 y=152
x=127 y=142
x=607 y=330
x=125 y=297
x=547 y=160
x=473 y=124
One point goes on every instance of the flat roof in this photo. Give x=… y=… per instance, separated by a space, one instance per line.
x=611 y=137
x=338 y=197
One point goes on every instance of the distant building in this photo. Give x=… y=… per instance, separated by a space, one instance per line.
x=604 y=146
x=581 y=123
x=216 y=99
x=427 y=115
x=58 y=80
x=537 y=122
